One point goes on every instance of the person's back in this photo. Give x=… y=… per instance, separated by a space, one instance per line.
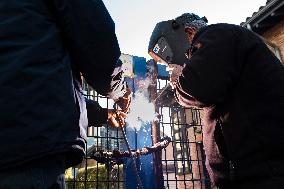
x=244 y=85
x=35 y=83
x=253 y=126
x=43 y=47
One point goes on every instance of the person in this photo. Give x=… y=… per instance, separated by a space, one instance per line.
x=45 y=47
x=231 y=73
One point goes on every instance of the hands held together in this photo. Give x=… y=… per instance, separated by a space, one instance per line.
x=175 y=71
x=116 y=118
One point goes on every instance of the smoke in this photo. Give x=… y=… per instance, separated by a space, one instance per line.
x=141 y=109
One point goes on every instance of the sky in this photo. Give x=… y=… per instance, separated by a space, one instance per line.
x=136 y=19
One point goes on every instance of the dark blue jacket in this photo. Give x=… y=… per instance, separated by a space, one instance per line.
x=44 y=45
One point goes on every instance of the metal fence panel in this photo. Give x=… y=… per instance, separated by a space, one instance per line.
x=91 y=174
x=184 y=160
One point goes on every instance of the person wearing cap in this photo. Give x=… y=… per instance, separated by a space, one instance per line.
x=231 y=73
x=45 y=48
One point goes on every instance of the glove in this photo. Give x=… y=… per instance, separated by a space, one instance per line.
x=116 y=118
x=175 y=71
x=124 y=102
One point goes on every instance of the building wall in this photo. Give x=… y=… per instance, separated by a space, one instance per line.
x=276 y=36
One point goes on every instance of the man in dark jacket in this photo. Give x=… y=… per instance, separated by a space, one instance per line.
x=44 y=47
x=239 y=82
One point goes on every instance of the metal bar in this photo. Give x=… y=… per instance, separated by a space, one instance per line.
x=156 y=136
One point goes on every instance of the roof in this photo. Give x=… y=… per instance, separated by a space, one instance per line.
x=266 y=17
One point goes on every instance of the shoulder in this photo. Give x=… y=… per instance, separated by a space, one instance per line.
x=219 y=28
x=220 y=31
x=225 y=27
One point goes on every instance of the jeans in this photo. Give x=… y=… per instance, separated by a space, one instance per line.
x=45 y=173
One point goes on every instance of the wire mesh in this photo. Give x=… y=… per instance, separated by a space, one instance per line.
x=91 y=174
x=183 y=161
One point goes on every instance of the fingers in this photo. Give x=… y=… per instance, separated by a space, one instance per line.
x=127 y=105
x=121 y=118
x=175 y=71
x=116 y=118
x=122 y=114
x=114 y=122
x=124 y=103
x=127 y=98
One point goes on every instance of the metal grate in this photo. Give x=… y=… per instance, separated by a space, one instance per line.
x=183 y=161
x=90 y=174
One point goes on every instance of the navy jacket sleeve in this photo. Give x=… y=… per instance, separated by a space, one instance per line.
x=89 y=35
x=96 y=114
x=210 y=74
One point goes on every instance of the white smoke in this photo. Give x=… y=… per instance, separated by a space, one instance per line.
x=141 y=109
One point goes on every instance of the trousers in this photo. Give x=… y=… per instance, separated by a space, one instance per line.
x=44 y=173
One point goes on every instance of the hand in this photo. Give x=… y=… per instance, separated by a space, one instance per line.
x=116 y=118
x=124 y=102
x=175 y=71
